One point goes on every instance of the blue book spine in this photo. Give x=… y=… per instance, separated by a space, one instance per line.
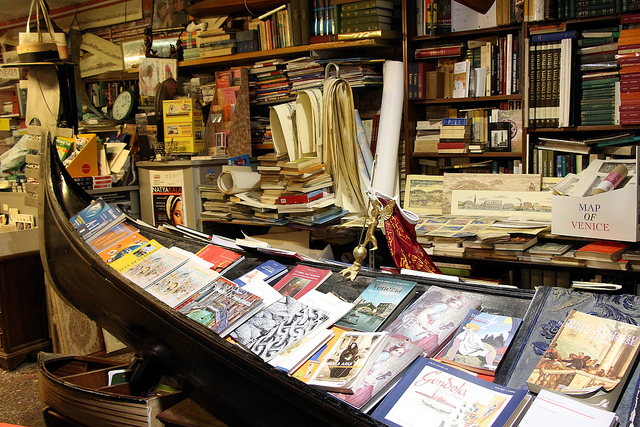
x=552 y=37
x=454 y=122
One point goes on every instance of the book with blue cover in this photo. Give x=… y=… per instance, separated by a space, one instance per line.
x=90 y=212
x=98 y=224
x=268 y=272
x=378 y=304
x=434 y=394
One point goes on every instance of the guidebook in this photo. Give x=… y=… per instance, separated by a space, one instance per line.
x=378 y=304
x=182 y=283
x=268 y=271
x=432 y=318
x=90 y=212
x=480 y=341
x=434 y=394
x=149 y=269
x=589 y=359
x=300 y=280
x=221 y=258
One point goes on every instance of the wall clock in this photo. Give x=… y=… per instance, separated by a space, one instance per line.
x=124 y=105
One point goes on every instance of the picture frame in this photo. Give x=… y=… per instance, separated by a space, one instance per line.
x=423 y=194
x=500 y=136
x=133 y=51
x=169 y=14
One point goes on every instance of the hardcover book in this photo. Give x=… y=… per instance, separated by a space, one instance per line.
x=154 y=266
x=182 y=283
x=221 y=258
x=268 y=271
x=395 y=357
x=378 y=304
x=434 y=394
x=300 y=280
x=277 y=327
x=481 y=341
x=432 y=318
x=223 y=308
x=607 y=250
x=589 y=359
x=348 y=361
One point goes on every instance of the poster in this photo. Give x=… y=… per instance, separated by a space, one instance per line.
x=167 y=196
x=154 y=71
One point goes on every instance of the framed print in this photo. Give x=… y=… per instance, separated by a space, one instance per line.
x=132 y=52
x=524 y=204
x=500 y=136
x=169 y=14
x=423 y=194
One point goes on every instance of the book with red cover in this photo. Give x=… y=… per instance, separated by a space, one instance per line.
x=300 y=280
x=221 y=258
x=602 y=250
x=302 y=198
x=440 y=51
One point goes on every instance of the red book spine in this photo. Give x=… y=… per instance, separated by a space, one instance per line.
x=300 y=198
x=436 y=52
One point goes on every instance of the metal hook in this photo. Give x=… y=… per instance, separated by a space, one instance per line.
x=326 y=70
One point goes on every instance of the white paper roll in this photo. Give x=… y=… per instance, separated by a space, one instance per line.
x=308 y=116
x=282 y=129
x=386 y=173
x=238 y=179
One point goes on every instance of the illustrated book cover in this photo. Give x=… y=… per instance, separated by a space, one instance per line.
x=89 y=213
x=589 y=359
x=432 y=318
x=100 y=223
x=348 y=361
x=378 y=304
x=153 y=267
x=481 y=341
x=395 y=357
x=277 y=327
x=308 y=368
x=128 y=259
x=300 y=280
x=268 y=272
x=434 y=394
x=223 y=308
x=111 y=236
x=129 y=244
x=221 y=258
x=182 y=283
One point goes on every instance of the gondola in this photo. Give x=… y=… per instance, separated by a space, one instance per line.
x=231 y=383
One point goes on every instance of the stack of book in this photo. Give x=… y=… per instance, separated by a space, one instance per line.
x=271 y=81
x=359 y=73
x=216 y=42
x=304 y=73
x=368 y=15
x=215 y=204
x=455 y=136
x=427 y=136
x=628 y=49
x=261 y=136
x=272 y=182
x=599 y=72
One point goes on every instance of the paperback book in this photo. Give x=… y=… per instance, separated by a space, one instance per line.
x=100 y=223
x=348 y=361
x=277 y=327
x=112 y=236
x=378 y=304
x=481 y=341
x=183 y=283
x=268 y=272
x=129 y=244
x=434 y=394
x=589 y=359
x=308 y=368
x=151 y=268
x=223 y=308
x=89 y=213
x=300 y=280
x=221 y=258
x=127 y=260
x=432 y=318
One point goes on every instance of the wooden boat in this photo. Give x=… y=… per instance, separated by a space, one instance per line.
x=231 y=383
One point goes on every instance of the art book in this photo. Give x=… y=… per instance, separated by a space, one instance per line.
x=432 y=318
x=481 y=341
x=348 y=361
x=589 y=359
x=182 y=283
x=153 y=267
x=128 y=259
x=308 y=368
x=221 y=258
x=129 y=244
x=223 y=308
x=434 y=394
x=395 y=357
x=378 y=304
x=267 y=272
x=277 y=327
x=95 y=208
x=300 y=280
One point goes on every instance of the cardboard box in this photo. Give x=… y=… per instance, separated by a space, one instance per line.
x=86 y=162
x=608 y=216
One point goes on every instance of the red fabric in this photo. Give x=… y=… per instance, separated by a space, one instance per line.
x=403 y=245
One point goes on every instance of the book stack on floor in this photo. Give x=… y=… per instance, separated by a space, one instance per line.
x=599 y=72
x=628 y=50
x=272 y=182
x=455 y=136
x=367 y=15
x=270 y=80
x=427 y=136
x=215 y=204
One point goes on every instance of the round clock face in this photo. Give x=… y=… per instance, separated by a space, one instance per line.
x=123 y=105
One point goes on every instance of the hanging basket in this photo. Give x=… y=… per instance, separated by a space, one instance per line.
x=40 y=46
